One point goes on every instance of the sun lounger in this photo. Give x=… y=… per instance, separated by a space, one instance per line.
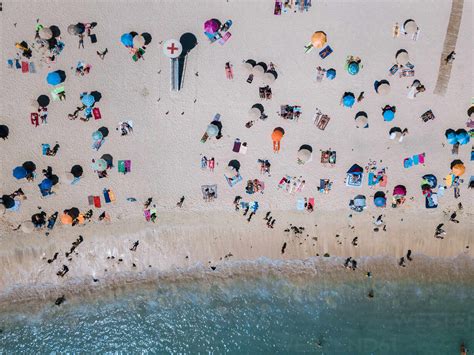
x=323 y=122
x=225 y=38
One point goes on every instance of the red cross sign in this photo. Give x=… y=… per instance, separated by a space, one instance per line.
x=172 y=48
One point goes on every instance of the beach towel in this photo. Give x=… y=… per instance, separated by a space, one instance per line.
x=311 y=201
x=96 y=113
x=24 y=67
x=300 y=204
x=354 y=180
x=128 y=166
x=233 y=181
x=96 y=200
x=34 y=118
x=277 y=10
x=236 y=147
x=407 y=163
x=90 y=199
x=111 y=195
x=225 y=38
x=415 y=159
x=121 y=166
x=147 y=215
x=17 y=64
x=371 y=179
x=45 y=148
x=106 y=196
x=254 y=206
x=384 y=181
x=325 y=52
x=421 y=158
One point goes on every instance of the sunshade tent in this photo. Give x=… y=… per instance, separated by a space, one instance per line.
x=450 y=135
x=45 y=33
x=99 y=165
x=43 y=100
x=4 y=131
x=462 y=137
x=260 y=68
x=380 y=199
x=88 y=100
x=127 y=40
x=56 y=77
x=19 y=173
x=212 y=25
x=348 y=99
x=77 y=171
x=353 y=68
x=410 y=26
x=278 y=134
x=399 y=190
x=318 y=39
x=29 y=166
x=402 y=57
x=361 y=119
x=331 y=73
x=46 y=184
x=234 y=164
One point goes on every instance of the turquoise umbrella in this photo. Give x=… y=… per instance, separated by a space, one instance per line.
x=348 y=99
x=88 y=100
x=353 y=68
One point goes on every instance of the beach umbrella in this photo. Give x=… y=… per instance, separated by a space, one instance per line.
x=99 y=165
x=361 y=120
x=80 y=27
x=55 y=77
x=97 y=95
x=46 y=184
x=43 y=100
x=399 y=190
x=212 y=26
x=388 y=115
x=360 y=201
x=402 y=57
x=331 y=73
x=7 y=201
x=256 y=111
x=54 y=179
x=127 y=40
x=355 y=169
x=4 y=131
x=305 y=153
x=383 y=88
x=109 y=159
x=65 y=219
x=470 y=111
x=379 y=199
x=45 y=33
x=73 y=212
x=88 y=100
x=249 y=64
x=27 y=227
x=462 y=137
x=458 y=169
x=431 y=180
x=104 y=131
x=97 y=136
x=29 y=166
x=77 y=171
x=147 y=37
x=318 y=39
x=212 y=130
x=353 y=68
x=234 y=164
x=55 y=30
x=348 y=99
x=260 y=68
x=73 y=30
x=138 y=41
x=270 y=76
x=410 y=26
x=19 y=173
x=450 y=135
x=278 y=134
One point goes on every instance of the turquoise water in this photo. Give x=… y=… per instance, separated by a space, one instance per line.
x=259 y=316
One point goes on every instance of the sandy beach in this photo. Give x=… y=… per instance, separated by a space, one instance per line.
x=165 y=148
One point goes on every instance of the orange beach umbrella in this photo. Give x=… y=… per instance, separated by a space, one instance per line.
x=319 y=39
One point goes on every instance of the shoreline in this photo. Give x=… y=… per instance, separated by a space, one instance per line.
x=326 y=271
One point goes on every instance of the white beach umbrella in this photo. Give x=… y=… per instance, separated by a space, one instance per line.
x=270 y=76
x=138 y=41
x=402 y=57
x=410 y=27
x=249 y=64
x=383 y=89
x=361 y=120
x=304 y=155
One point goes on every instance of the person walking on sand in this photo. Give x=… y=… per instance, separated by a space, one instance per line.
x=212 y=164
x=396 y=30
x=102 y=54
x=135 y=245
x=450 y=58
x=180 y=203
x=81 y=40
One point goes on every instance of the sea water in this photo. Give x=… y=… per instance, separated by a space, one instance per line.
x=264 y=315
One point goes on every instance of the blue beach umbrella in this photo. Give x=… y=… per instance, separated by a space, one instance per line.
x=388 y=115
x=88 y=100
x=353 y=68
x=462 y=137
x=331 y=73
x=380 y=202
x=19 y=172
x=127 y=40
x=451 y=136
x=348 y=99
x=97 y=136
x=54 y=78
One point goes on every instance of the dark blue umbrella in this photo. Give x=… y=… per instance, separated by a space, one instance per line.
x=20 y=172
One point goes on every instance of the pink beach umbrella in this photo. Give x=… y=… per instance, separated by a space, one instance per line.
x=212 y=26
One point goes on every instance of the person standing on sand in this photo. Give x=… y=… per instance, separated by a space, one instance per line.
x=450 y=58
x=396 y=30
x=180 y=203
x=81 y=41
